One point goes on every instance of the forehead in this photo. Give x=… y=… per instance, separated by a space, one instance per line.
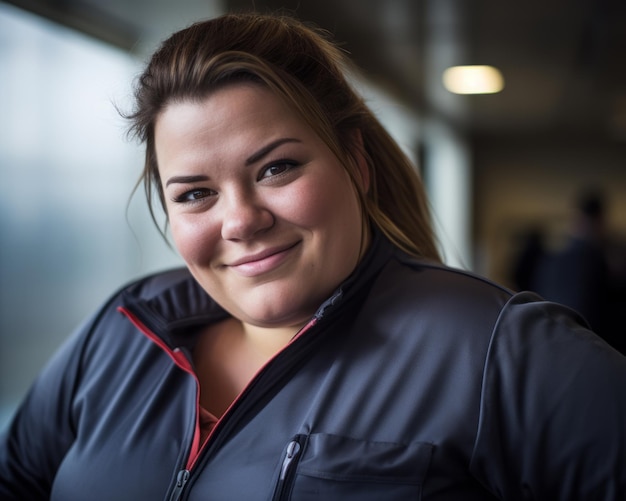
x=226 y=113
x=230 y=108
x=227 y=124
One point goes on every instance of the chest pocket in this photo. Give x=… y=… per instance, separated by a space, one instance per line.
x=332 y=467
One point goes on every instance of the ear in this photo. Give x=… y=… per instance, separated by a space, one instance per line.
x=361 y=163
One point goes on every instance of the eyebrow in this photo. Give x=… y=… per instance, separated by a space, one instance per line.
x=255 y=157
x=186 y=179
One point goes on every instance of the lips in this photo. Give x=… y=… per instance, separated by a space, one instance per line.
x=262 y=262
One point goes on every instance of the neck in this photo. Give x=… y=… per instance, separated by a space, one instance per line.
x=267 y=341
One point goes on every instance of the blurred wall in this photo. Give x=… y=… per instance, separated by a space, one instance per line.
x=66 y=175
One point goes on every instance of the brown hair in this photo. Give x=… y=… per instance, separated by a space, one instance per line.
x=304 y=68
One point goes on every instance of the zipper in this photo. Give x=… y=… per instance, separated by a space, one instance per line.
x=181 y=481
x=223 y=425
x=287 y=470
x=181 y=360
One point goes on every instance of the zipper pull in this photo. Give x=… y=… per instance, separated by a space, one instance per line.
x=292 y=452
x=293 y=449
x=181 y=481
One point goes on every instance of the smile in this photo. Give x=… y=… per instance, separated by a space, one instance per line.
x=262 y=262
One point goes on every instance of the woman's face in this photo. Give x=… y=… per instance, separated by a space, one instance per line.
x=263 y=213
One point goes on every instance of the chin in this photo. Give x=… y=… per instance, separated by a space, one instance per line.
x=273 y=318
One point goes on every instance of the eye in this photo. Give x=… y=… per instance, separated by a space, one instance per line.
x=277 y=168
x=194 y=195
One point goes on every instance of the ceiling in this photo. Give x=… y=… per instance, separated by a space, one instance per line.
x=563 y=62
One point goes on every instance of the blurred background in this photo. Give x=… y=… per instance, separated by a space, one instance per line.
x=498 y=166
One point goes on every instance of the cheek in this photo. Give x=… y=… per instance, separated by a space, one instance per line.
x=320 y=202
x=336 y=208
x=194 y=239
x=305 y=208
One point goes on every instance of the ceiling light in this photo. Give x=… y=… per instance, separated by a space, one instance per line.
x=475 y=79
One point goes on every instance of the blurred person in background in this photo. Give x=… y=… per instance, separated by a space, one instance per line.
x=532 y=251
x=581 y=274
x=315 y=346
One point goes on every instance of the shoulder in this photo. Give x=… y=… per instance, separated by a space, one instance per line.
x=453 y=307
x=438 y=274
x=441 y=293
x=436 y=313
x=548 y=381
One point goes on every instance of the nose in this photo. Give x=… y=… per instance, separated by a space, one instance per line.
x=244 y=216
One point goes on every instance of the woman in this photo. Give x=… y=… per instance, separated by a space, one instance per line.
x=314 y=347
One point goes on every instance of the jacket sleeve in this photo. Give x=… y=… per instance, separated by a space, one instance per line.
x=42 y=429
x=553 y=408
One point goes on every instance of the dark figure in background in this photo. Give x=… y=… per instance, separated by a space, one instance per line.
x=532 y=252
x=578 y=275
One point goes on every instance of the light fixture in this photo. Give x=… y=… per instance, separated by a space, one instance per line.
x=476 y=79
